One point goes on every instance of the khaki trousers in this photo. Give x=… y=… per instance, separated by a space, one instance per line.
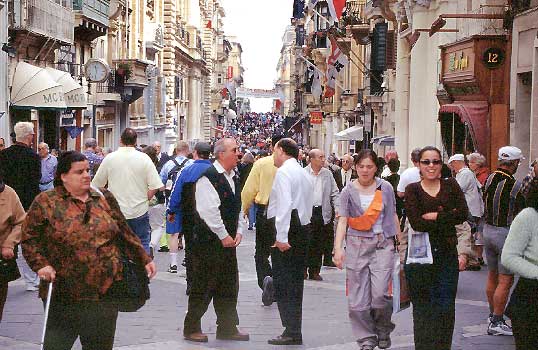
x=369 y=265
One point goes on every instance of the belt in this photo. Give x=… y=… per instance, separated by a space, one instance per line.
x=263 y=206
x=45 y=183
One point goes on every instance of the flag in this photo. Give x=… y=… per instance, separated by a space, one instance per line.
x=336 y=8
x=312 y=4
x=316 y=85
x=298 y=9
x=230 y=86
x=224 y=92
x=335 y=63
x=209 y=25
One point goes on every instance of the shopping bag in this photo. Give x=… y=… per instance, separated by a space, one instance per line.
x=419 y=249
x=398 y=290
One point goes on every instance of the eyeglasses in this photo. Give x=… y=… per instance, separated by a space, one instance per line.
x=431 y=161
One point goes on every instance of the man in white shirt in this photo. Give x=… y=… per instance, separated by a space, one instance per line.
x=218 y=225
x=410 y=175
x=290 y=204
x=132 y=178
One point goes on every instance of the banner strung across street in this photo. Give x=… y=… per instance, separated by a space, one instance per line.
x=257 y=93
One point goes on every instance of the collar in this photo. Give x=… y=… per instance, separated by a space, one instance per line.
x=127 y=149
x=48 y=157
x=221 y=170
x=462 y=169
x=290 y=161
x=203 y=161
x=21 y=144
x=504 y=172
x=345 y=171
x=62 y=191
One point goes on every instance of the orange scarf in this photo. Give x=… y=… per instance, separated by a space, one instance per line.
x=368 y=219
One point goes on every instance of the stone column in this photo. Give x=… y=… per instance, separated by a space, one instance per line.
x=402 y=102
x=4 y=76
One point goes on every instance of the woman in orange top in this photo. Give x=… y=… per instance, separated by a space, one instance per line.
x=368 y=207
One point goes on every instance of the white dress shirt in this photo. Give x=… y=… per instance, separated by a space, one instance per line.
x=346 y=176
x=318 y=189
x=292 y=189
x=208 y=203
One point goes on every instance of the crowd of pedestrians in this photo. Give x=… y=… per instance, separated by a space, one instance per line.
x=360 y=212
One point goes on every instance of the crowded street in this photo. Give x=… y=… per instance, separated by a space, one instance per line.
x=158 y=325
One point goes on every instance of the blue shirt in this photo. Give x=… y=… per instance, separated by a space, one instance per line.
x=170 y=165
x=48 y=169
x=94 y=161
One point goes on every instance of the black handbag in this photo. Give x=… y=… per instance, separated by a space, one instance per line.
x=9 y=270
x=132 y=292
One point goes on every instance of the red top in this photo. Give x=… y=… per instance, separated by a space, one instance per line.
x=482 y=175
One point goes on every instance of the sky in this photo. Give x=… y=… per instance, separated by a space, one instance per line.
x=259 y=26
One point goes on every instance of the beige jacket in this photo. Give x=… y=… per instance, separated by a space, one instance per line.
x=11 y=217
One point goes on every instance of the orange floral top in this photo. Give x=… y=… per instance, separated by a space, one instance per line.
x=79 y=240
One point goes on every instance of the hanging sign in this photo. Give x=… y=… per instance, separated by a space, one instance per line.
x=493 y=57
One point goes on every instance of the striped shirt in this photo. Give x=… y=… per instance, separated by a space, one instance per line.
x=503 y=198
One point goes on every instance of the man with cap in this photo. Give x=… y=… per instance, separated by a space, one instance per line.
x=503 y=201
x=471 y=189
x=183 y=193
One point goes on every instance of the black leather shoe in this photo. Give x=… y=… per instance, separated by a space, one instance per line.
x=285 y=340
x=237 y=336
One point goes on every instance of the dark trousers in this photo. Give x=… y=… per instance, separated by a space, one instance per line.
x=523 y=311
x=94 y=322
x=3 y=297
x=288 y=269
x=318 y=234
x=265 y=238
x=214 y=276
x=433 y=293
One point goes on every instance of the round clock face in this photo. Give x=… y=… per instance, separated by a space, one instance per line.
x=96 y=71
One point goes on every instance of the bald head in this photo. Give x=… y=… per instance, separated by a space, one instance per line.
x=317 y=159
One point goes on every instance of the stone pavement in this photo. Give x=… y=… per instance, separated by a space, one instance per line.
x=158 y=326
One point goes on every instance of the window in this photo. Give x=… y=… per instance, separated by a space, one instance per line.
x=321 y=23
x=105 y=137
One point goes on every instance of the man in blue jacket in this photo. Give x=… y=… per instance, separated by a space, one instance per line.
x=183 y=191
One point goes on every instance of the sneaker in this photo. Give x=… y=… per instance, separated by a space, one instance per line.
x=499 y=328
x=384 y=343
x=490 y=318
x=172 y=269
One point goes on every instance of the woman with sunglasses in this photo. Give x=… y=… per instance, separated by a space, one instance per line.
x=70 y=237
x=435 y=205
x=369 y=223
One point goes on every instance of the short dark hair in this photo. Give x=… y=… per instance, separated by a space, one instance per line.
x=276 y=138
x=416 y=154
x=426 y=149
x=152 y=153
x=289 y=147
x=363 y=154
x=394 y=165
x=65 y=160
x=128 y=137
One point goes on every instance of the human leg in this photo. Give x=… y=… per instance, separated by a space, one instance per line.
x=315 y=244
x=157 y=217
x=226 y=290
x=30 y=277
x=200 y=293
x=264 y=240
x=63 y=326
x=500 y=297
x=142 y=229
x=3 y=297
x=98 y=325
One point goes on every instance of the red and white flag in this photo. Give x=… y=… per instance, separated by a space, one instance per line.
x=335 y=63
x=336 y=7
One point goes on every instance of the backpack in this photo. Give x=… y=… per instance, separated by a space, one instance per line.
x=172 y=176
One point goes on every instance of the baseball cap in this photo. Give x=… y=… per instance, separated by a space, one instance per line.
x=510 y=153
x=457 y=156
x=202 y=147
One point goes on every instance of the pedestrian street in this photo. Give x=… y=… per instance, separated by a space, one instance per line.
x=157 y=326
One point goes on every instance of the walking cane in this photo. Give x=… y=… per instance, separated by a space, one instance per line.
x=47 y=307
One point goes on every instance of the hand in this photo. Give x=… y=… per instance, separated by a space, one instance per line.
x=151 y=269
x=238 y=238
x=462 y=262
x=7 y=253
x=228 y=242
x=282 y=246
x=339 y=257
x=430 y=216
x=171 y=218
x=47 y=274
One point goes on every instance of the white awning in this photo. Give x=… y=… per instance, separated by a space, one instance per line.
x=354 y=133
x=33 y=87
x=74 y=94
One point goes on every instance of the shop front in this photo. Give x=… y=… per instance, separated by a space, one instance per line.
x=474 y=106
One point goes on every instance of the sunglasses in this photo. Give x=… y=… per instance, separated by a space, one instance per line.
x=431 y=161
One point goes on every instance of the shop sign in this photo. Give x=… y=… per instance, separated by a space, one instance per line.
x=316 y=117
x=493 y=57
x=458 y=61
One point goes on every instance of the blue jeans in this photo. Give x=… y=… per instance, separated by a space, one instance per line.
x=252 y=215
x=142 y=229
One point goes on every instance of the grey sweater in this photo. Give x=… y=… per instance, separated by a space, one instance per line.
x=520 y=251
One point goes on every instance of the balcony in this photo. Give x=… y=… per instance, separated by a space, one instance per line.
x=91 y=18
x=154 y=38
x=45 y=18
x=134 y=77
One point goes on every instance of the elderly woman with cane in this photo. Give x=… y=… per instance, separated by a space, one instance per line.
x=73 y=237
